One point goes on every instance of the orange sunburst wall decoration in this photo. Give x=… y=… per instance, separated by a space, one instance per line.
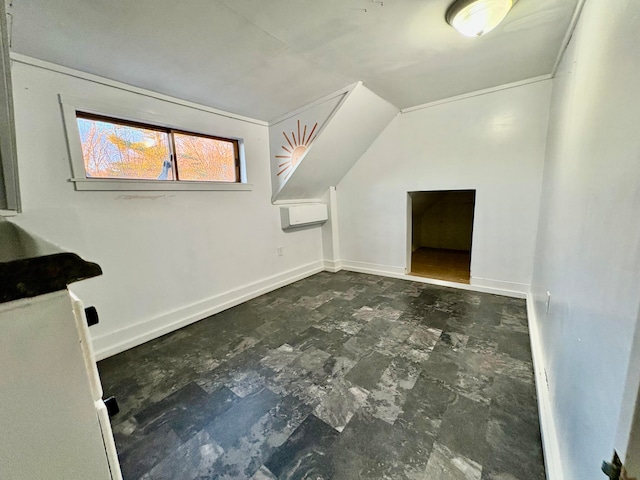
x=296 y=149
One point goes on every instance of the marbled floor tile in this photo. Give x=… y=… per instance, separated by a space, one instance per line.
x=420 y=343
x=392 y=450
x=282 y=336
x=464 y=427
x=365 y=314
x=482 y=345
x=441 y=368
x=516 y=308
x=358 y=346
x=511 y=367
x=196 y=414
x=350 y=294
x=244 y=458
x=390 y=335
x=193 y=459
x=489 y=475
x=234 y=368
x=423 y=317
x=411 y=289
x=340 y=403
x=474 y=386
x=147 y=452
x=490 y=364
x=264 y=474
x=456 y=341
x=126 y=433
x=368 y=371
x=304 y=378
x=348 y=465
x=311 y=359
x=515 y=447
x=447 y=465
x=425 y=406
x=515 y=344
x=267 y=328
x=227 y=428
x=245 y=382
x=167 y=409
x=305 y=455
x=338 y=367
x=513 y=322
x=339 y=306
x=314 y=302
x=515 y=397
x=386 y=400
x=331 y=341
x=279 y=358
x=225 y=397
x=465 y=325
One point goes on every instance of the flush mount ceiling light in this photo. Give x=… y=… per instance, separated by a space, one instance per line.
x=473 y=18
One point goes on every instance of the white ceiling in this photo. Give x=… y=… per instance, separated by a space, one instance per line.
x=264 y=58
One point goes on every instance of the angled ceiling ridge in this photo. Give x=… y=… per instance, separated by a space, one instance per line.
x=477 y=93
x=127 y=87
x=344 y=92
x=343 y=140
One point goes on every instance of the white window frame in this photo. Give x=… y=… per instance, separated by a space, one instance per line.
x=9 y=186
x=70 y=107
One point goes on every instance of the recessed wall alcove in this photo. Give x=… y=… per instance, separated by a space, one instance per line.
x=441 y=232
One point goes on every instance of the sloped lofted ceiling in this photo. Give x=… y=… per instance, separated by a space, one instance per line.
x=264 y=58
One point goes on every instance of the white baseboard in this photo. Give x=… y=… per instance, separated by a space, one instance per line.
x=518 y=290
x=399 y=272
x=372 y=268
x=332 y=266
x=141 y=332
x=550 y=444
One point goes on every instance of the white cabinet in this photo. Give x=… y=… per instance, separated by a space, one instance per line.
x=53 y=422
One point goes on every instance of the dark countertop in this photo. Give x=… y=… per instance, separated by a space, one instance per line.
x=31 y=266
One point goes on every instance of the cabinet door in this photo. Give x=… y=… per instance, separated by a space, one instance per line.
x=49 y=424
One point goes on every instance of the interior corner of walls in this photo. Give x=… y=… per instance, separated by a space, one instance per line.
x=140 y=332
x=332 y=266
x=372 y=268
x=550 y=443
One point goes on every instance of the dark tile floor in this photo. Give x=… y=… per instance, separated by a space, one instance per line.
x=338 y=376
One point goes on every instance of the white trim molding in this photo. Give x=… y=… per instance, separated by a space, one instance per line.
x=34 y=62
x=71 y=105
x=332 y=266
x=550 y=443
x=298 y=111
x=477 y=93
x=112 y=185
x=520 y=289
x=399 y=272
x=146 y=330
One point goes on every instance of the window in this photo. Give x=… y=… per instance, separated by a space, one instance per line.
x=113 y=148
x=125 y=150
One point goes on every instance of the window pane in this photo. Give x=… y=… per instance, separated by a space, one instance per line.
x=113 y=150
x=205 y=159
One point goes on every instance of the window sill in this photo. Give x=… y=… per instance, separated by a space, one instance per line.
x=155 y=185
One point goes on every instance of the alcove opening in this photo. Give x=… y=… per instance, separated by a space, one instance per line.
x=442 y=234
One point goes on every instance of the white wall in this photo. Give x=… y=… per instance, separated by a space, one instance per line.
x=588 y=248
x=168 y=257
x=493 y=143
